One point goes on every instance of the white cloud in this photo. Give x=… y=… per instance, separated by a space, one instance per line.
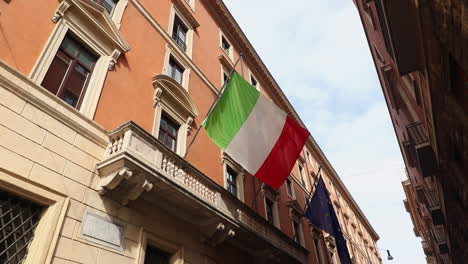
x=318 y=53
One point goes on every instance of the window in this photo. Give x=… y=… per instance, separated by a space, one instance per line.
x=18 y=220
x=225 y=78
x=309 y=157
x=225 y=45
x=297 y=230
x=289 y=187
x=231 y=181
x=301 y=172
x=417 y=91
x=318 y=247
x=168 y=130
x=109 y=5
x=155 y=255
x=70 y=71
x=253 y=81
x=269 y=210
x=175 y=70
x=179 y=33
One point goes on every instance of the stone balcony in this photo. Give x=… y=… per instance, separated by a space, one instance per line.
x=137 y=166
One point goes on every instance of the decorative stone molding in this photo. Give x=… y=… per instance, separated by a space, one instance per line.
x=186 y=13
x=330 y=241
x=219 y=234
x=114 y=56
x=189 y=125
x=174 y=93
x=59 y=13
x=133 y=184
x=171 y=99
x=270 y=192
x=92 y=14
x=295 y=210
x=112 y=180
x=157 y=96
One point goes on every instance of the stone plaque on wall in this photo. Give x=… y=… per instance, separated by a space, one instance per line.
x=103 y=230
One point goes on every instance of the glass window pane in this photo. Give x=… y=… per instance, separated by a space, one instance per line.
x=161 y=135
x=56 y=73
x=75 y=85
x=178 y=76
x=156 y=256
x=181 y=34
x=171 y=143
x=109 y=5
x=70 y=45
x=86 y=58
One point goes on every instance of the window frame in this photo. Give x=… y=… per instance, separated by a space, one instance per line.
x=147 y=238
x=175 y=13
x=100 y=2
x=186 y=73
x=272 y=195
x=289 y=180
x=231 y=184
x=74 y=61
x=55 y=207
x=303 y=174
x=171 y=69
x=252 y=77
x=177 y=27
x=230 y=51
x=107 y=47
x=269 y=210
x=297 y=233
x=176 y=126
x=229 y=163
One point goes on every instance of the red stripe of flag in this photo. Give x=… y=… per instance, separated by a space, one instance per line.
x=284 y=154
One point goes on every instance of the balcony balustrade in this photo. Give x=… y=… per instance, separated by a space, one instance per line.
x=138 y=166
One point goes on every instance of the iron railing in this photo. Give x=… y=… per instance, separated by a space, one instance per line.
x=179 y=41
x=18 y=219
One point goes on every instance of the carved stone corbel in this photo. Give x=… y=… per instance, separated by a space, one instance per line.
x=136 y=191
x=330 y=241
x=219 y=235
x=157 y=96
x=60 y=12
x=189 y=125
x=114 y=56
x=112 y=180
x=124 y=185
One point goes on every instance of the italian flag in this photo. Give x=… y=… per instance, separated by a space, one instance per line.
x=255 y=132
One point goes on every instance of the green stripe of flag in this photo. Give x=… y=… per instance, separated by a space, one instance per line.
x=231 y=111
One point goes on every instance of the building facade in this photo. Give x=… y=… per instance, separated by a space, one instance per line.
x=99 y=101
x=421 y=57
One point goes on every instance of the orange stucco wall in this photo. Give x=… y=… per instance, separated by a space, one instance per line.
x=21 y=43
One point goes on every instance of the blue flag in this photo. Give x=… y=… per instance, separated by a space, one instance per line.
x=321 y=213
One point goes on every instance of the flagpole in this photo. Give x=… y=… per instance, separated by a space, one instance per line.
x=254 y=202
x=312 y=188
x=214 y=103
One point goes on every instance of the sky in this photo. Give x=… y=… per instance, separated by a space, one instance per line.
x=318 y=53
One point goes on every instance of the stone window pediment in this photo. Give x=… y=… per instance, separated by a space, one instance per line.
x=95 y=20
x=172 y=93
x=173 y=101
x=295 y=208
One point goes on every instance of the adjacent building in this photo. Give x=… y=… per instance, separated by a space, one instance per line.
x=420 y=51
x=99 y=101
